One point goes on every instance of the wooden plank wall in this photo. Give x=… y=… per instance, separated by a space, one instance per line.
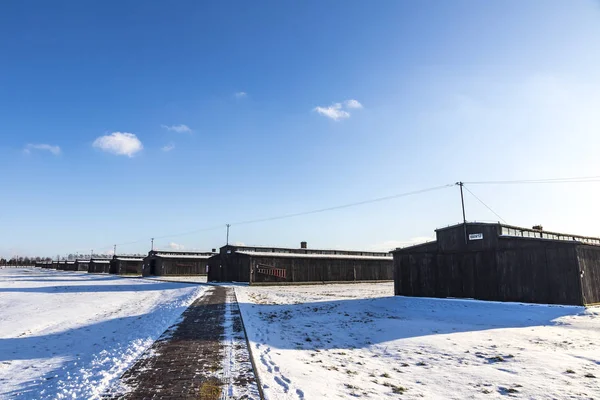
x=300 y=269
x=127 y=267
x=180 y=266
x=542 y=273
x=589 y=264
x=99 y=268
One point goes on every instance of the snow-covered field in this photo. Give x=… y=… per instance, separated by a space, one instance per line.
x=71 y=335
x=344 y=341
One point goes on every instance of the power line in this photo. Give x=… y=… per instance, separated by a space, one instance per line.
x=486 y=206
x=581 y=179
x=344 y=205
x=285 y=216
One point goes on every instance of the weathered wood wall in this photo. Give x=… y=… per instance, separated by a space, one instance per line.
x=229 y=268
x=70 y=266
x=589 y=265
x=99 y=267
x=126 y=267
x=501 y=269
x=309 y=269
x=180 y=266
x=82 y=266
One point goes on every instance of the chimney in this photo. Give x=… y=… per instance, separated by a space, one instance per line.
x=303 y=245
x=214 y=250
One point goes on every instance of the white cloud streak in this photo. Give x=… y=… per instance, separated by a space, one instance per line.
x=176 y=246
x=44 y=147
x=353 y=104
x=182 y=128
x=333 y=112
x=240 y=95
x=119 y=143
x=168 y=147
x=339 y=111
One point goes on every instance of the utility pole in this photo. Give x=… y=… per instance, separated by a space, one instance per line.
x=227 y=241
x=115 y=250
x=91 y=254
x=462 y=201
x=152 y=244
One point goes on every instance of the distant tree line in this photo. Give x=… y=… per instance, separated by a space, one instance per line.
x=71 y=257
x=23 y=260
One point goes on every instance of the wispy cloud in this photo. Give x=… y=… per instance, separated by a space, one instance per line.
x=334 y=112
x=339 y=111
x=176 y=246
x=353 y=104
x=168 y=147
x=240 y=95
x=119 y=143
x=44 y=147
x=178 y=128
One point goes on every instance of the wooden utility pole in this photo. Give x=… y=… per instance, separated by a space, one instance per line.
x=462 y=202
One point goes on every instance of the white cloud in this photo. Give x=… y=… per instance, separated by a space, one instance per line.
x=182 y=128
x=353 y=104
x=240 y=95
x=119 y=143
x=334 y=112
x=168 y=147
x=338 y=111
x=176 y=246
x=394 y=244
x=45 y=147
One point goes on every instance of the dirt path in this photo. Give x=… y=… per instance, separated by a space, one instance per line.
x=204 y=356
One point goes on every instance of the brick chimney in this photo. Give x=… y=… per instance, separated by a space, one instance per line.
x=303 y=245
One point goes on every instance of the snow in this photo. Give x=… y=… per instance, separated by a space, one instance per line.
x=71 y=335
x=303 y=255
x=179 y=278
x=342 y=341
x=195 y=257
x=236 y=360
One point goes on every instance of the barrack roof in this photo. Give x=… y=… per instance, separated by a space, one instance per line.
x=311 y=255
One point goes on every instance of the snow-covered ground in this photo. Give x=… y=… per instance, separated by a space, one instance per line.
x=71 y=335
x=179 y=278
x=343 y=341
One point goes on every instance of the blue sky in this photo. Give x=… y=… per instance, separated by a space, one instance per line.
x=122 y=121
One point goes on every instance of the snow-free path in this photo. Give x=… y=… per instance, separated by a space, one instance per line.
x=358 y=340
x=72 y=334
x=203 y=356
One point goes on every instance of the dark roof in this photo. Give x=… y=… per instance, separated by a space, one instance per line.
x=519 y=232
x=414 y=246
x=297 y=251
x=181 y=254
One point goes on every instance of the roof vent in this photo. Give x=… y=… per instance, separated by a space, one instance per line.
x=303 y=245
x=538 y=228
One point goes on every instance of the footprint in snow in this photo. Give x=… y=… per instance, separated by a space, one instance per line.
x=281 y=383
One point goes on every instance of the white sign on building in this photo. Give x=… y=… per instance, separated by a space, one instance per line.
x=476 y=236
